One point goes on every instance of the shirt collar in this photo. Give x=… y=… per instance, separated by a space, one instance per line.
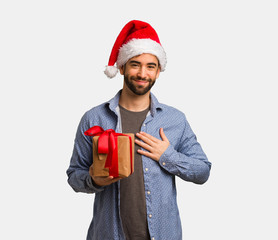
x=155 y=105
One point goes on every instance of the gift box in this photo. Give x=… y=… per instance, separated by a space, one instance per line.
x=113 y=153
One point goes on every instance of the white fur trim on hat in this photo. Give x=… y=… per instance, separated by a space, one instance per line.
x=137 y=47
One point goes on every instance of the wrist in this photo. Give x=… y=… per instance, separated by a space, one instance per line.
x=95 y=184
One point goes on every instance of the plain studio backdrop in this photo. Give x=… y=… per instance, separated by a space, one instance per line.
x=221 y=72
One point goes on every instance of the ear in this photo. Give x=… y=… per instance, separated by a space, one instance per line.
x=122 y=70
x=158 y=72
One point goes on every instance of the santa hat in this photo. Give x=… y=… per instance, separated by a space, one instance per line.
x=136 y=37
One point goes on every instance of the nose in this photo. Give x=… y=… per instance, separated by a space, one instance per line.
x=142 y=72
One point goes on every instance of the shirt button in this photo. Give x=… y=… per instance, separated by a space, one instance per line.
x=146 y=169
x=163 y=163
x=144 y=124
x=148 y=192
x=153 y=238
x=150 y=215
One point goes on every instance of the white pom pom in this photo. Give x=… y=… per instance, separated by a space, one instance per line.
x=111 y=71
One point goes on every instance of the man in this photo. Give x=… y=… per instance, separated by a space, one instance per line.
x=143 y=205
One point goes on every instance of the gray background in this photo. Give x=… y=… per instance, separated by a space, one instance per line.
x=221 y=72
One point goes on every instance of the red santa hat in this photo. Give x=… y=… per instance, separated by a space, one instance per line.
x=136 y=37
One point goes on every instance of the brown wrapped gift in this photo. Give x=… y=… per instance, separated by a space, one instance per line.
x=125 y=164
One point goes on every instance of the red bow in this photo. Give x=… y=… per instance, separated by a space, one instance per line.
x=108 y=144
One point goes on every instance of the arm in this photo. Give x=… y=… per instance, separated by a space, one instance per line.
x=189 y=162
x=191 y=166
x=78 y=172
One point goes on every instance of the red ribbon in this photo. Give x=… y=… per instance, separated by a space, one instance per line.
x=108 y=144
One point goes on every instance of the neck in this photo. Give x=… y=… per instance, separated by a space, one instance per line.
x=133 y=102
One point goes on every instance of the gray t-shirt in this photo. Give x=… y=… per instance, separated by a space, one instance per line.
x=132 y=190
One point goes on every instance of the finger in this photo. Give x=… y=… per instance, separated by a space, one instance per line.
x=143 y=145
x=147 y=154
x=116 y=179
x=154 y=139
x=111 y=179
x=146 y=138
x=103 y=179
x=162 y=135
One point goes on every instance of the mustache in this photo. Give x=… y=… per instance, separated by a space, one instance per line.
x=139 y=78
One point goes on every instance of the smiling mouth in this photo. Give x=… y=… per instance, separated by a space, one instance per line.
x=140 y=80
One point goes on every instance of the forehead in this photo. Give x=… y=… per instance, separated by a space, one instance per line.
x=145 y=58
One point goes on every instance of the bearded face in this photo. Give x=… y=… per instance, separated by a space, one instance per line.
x=140 y=73
x=138 y=85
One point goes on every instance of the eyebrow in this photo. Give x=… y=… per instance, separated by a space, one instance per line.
x=151 y=63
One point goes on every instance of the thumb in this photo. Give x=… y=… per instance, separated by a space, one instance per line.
x=162 y=135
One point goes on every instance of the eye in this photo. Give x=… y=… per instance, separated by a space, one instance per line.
x=151 y=67
x=134 y=65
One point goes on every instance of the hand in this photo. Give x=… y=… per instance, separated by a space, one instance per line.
x=155 y=147
x=105 y=181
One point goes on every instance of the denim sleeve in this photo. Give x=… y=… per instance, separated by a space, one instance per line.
x=78 y=172
x=189 y=161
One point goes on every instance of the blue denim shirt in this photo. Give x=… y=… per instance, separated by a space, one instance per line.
x=184 y=158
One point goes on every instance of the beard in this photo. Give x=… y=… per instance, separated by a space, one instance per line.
x=138 y=90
